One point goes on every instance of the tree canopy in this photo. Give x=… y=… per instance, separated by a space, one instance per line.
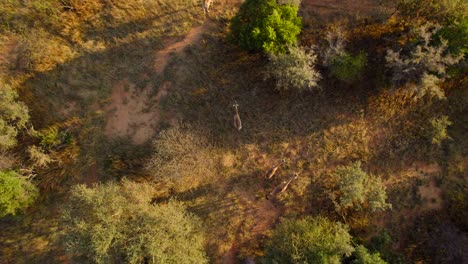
x=13 y=116
x=263 y=25
x=309 y=240
x=16 y=193
x=355 y=190
x=115 y=222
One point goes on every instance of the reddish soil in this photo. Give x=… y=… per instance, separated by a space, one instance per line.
x=136 y=114
x=329 y=9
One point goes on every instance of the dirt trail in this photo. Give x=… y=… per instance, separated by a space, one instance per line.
x=136 y=114
x=265 y=216
x=163 y=56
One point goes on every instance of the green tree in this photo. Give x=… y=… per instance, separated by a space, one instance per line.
x=16 y=193
x=355 y=190
x=347 y=67
x=293 y=70
x=263 y=25
x=13 y=116
x=113 y=222
x=363 y=256
x=309 y=240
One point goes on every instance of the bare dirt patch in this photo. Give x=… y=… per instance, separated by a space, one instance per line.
x=431 y=196
x=329 y=9
x=132 y=113
x=136 y=114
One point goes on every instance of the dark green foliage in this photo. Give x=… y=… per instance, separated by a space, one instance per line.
x=310 y=240
x=347 y=67
x=383 y=243
x=111 y=223
x=13 y=116
x=263 y=25
x=16 y=193
x=457 y=36
x=363 y=256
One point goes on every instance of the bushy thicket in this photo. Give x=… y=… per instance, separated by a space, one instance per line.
x=182 y=158
x=13 y=116
x=294 y=70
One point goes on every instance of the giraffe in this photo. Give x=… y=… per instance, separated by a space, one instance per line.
x=237 y=120
x=282 y=187
x=271 y=172
x=206 y=5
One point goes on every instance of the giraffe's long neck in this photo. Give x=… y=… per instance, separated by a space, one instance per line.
x=281 y=163
x=290 y=180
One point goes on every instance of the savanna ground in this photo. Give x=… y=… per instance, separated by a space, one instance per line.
x=122 y=83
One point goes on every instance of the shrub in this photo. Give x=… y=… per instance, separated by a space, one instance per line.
x=424 y=61
x=13 y=116
x=310 y=240
x=263 y=25
x=182 y=158
x=16 y=193
x=38 y=157
x=293 y=70
x=347 y=67
x=354 y=190
x=438 y=129
x=114 y=223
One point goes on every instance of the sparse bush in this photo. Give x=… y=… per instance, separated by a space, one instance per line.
x=13 y=116
x=336 y=42
x=113 y=223
x=424 y=61
x=41 y=51
x=263 y=25
x=438 y=129
x=38 y=157
x=16 y=193
x=347 y=67
x=293 y=70
x=354 y=190
x=310 y=240
x=182 y=158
